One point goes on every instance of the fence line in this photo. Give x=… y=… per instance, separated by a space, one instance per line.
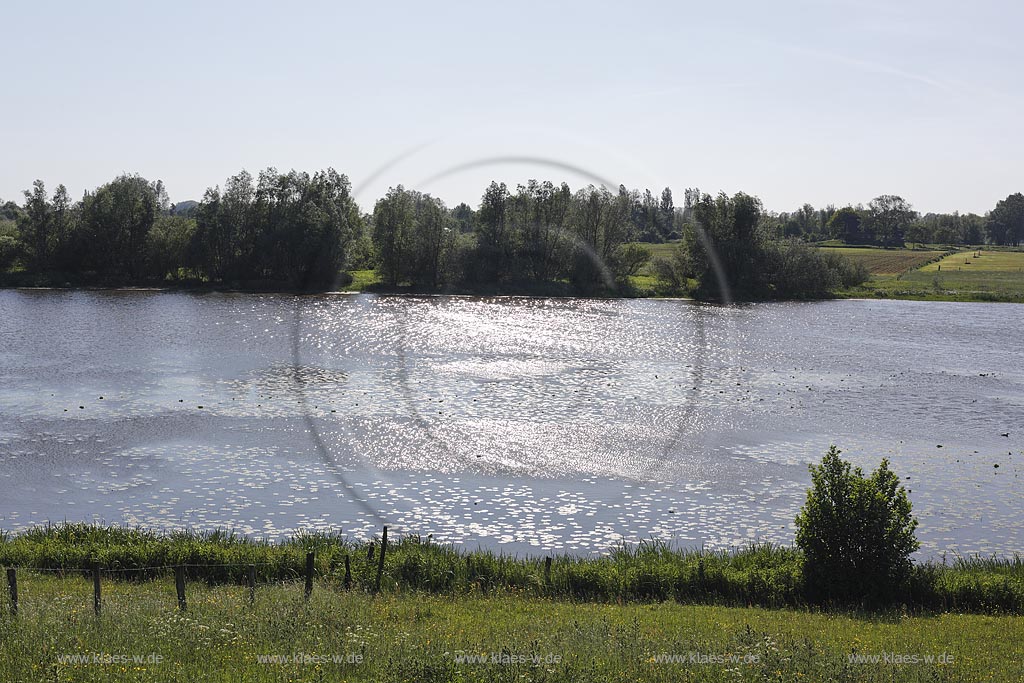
x=97 y=572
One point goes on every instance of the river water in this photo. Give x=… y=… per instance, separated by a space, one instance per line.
x=525 y=424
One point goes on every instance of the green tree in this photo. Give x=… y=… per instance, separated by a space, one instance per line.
x=464 y=217
x=433 y=235
x=117 y=218
x=168 y=247
x=300 y=228
x=493 y=260
x=856 y=532
x=846 y=224
x=666 y=216
x=1006 y=221
x=889 y=217
x=224 y=241
x=601 y=224
x=393 y=218
x=537 y=214
x=35 y=228
x=727 y=230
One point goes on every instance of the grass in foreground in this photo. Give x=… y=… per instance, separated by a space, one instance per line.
x=411 y=636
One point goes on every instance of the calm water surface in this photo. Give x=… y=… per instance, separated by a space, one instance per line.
x=522 y=423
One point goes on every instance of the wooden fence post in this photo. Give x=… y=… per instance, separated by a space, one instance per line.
x=97 y=596
x=348 y=574
x=179 y=586
x=250 y=576
x=12 y=586
x=380 y=565
x=310 y=557
x=547 y=571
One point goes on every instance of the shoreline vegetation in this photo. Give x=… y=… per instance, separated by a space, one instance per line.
x=368 y=282
x=765 y=575
x=297 y=232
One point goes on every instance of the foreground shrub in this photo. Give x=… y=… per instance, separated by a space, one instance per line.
x=856 y=533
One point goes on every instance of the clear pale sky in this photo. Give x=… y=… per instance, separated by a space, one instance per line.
x=820 y=102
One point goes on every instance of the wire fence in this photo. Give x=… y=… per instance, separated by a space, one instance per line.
x=247 y=571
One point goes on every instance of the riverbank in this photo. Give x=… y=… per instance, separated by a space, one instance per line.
x=342 y=635
x=925 y=281
x=764 y=574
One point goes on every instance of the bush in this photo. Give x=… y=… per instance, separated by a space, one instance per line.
x=856 y=533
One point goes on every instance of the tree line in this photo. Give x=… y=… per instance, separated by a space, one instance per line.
x=291 y=229
x=891 y=221
x=304 y=231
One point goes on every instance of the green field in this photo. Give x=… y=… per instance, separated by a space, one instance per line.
x=980 y=260
x=887 y=261
x=416 y=637
x=962 y=276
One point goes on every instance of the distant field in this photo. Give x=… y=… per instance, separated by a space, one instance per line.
x=979 y=260
x=886 y=261
x=968 y=275
x=662 y=250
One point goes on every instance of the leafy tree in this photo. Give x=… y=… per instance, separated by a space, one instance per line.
x=117 y=218
x=169 y=245
x=432 y=241
x=47 y=230
x=728 y=231
x=288 y=228
x=537 y=215
x=856 y=532
x=9 y=211
x=224 y=238
x=301 y=228
x=35 y=227
x=600 y=224
x=495 y=236
x=889 y=216
x=1006 y=221
x=393 y=218
x=666 y=215
x=464 y=217
x=846 y=224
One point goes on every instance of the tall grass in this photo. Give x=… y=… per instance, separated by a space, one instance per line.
x=760 y=574
x=419 y=637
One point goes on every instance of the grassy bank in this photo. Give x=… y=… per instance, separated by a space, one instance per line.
x=418 y=637
x=759 y=575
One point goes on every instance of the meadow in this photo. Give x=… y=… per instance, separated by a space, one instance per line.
x=962 y=277
x=401 y=635
x=888 y=261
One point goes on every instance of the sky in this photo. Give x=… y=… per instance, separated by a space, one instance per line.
x=820 y=102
